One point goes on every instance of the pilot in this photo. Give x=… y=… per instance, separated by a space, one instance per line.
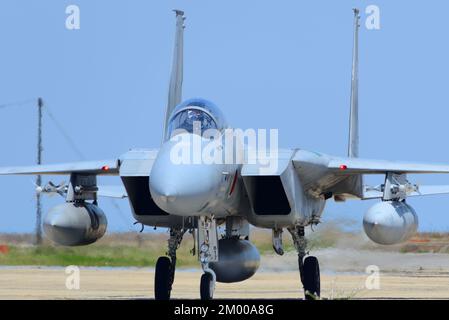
x=189 y=117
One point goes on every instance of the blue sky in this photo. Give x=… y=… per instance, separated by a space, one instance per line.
x=267 y=64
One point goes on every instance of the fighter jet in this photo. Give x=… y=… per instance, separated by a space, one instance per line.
x=200 y=197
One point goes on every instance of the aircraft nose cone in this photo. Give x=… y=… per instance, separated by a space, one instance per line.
x=191 y=194
x=183 y=189
x=163 y=192
x=168 y=198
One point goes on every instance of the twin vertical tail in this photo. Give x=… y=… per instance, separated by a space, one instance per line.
x=175 y=87
x=353 y=146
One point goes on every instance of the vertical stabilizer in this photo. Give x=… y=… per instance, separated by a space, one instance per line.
x=354 y=184
x=175 y=88
x=353 y=147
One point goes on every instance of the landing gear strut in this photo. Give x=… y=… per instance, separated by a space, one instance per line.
x=166 y=266
x=208 y=252
x=309 y=269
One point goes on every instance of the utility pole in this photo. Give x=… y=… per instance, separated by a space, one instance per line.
x=40 y=104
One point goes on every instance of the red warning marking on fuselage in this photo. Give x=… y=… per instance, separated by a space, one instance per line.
x=234 y=181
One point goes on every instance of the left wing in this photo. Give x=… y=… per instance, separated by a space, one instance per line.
x=325 y=174
x=348 y=166
x=104 y=167
x=352 y=167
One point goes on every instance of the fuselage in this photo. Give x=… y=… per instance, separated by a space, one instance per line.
x=198 y=171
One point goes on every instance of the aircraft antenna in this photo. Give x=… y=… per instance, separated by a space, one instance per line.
x=40 y=104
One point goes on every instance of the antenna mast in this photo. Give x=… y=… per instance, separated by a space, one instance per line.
x=40 y=104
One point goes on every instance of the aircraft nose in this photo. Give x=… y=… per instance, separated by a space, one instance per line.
x=164 y=192
x=183 y=189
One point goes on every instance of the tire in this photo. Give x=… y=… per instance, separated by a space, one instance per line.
x=206 y=287
x=162 y=279
x=311 y=270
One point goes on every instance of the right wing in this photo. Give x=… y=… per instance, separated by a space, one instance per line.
x=104 y=167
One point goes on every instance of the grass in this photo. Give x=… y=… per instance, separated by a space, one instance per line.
x=142 y=250
x=113 y=251
x=121 y=250
x=95 y=256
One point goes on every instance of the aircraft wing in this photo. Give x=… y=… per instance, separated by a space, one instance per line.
x=352 y=167
x=341 y=176
x=104 y=167
x=348 y=166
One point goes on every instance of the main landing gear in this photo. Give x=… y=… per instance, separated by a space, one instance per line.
x=166 y=266
x=309 y=268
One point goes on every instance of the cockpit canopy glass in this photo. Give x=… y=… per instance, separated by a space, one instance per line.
x=195 y=116
x=186 y=119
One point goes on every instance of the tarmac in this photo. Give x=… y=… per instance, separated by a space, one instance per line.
x=132 y=283
x=345 y=274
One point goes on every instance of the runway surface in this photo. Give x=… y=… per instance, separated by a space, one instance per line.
x=103 y=283
x=344 y=276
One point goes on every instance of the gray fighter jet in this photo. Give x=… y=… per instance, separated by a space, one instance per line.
x=200 y=197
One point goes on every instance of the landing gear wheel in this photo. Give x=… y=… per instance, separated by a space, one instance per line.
x=162 y=285
x=311 y=278
x=207 y=286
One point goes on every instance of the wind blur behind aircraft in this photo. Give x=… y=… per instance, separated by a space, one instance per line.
x=197 y=198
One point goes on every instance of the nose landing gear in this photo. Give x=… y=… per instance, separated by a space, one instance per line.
x=207 y=241
x=208 y=252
